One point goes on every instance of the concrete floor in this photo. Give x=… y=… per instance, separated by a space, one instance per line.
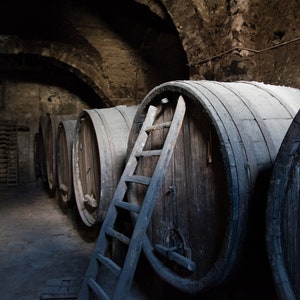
x=39 y=244
x=45 y=250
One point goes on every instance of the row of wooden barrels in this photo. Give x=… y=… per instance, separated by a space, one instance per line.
x=235 y=170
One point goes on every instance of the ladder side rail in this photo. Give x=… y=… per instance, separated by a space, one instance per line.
x=11 y=174
x=143 y=220
x=122 y=186
x=111 y=215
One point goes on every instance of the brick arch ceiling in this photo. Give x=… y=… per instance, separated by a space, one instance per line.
x=86 y=66
x=189 y=18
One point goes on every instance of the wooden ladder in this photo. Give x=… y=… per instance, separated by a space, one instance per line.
x=125 y=273
x=8 y=153
x=12 y=163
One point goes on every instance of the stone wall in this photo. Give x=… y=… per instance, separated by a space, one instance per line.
x=115 y=52
x=238 y=39
x=25 y=102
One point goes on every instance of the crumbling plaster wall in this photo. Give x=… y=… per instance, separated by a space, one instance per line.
x=222 y=39
x=230 y=40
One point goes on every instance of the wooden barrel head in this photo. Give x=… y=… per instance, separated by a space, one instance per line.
x=193 y=205
x=65 y=136
x=99 y=154
x=283 y=211
x=87 y=175
x=230 y=134
x=50 y=146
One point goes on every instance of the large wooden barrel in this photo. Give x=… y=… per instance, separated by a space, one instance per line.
x=65 y=137
x=283 y=216
x=230 y=135
x=99 y=152
x=50 y=146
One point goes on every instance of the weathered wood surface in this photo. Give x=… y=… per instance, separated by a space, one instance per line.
x=230 y=135
x=99 y=153
x=283 y=211
x=40 y=153
x=51 y=126
x=65 y=137
x=125 y=272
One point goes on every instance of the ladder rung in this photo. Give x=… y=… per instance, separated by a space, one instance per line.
x=128 y=206
x=111 y=265
x=158 y=126
x=138 y=179
x=148 y=153
x=97 y=289
x=137 y=238
x=117 y=235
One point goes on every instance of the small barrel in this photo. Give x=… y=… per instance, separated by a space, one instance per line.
x=50 y=146
x=230 y=136
x=283 y=216
x=40 y=150
x=65 y=137
x=37 y=156
x=99 y=153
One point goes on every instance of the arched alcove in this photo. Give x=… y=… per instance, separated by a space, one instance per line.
x=75 y=55
x=32 y=86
